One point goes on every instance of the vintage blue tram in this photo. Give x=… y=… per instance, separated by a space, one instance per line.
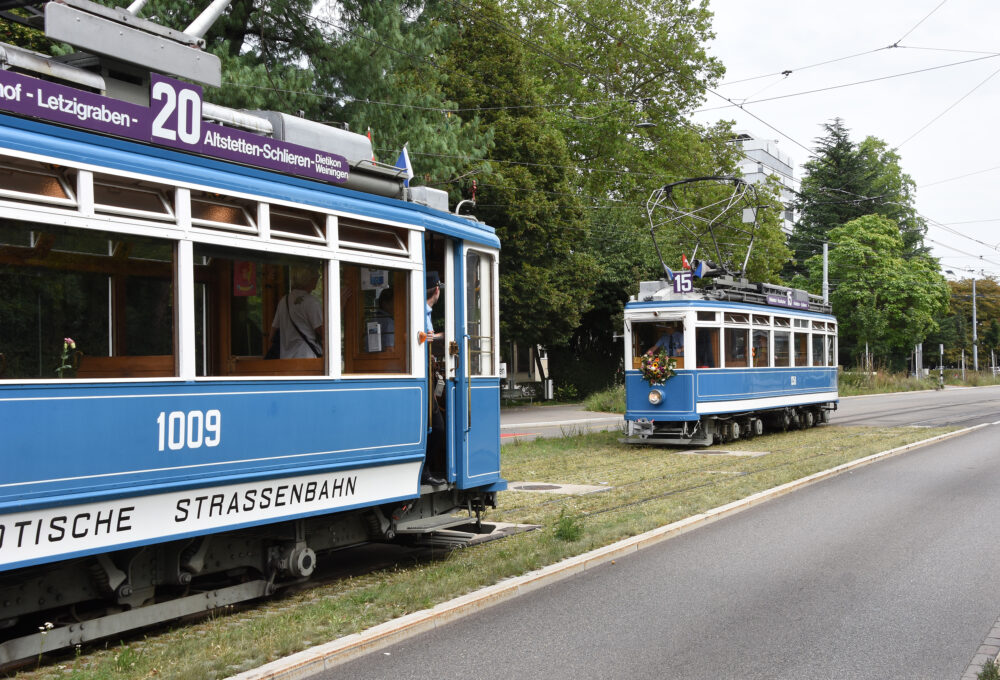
x=155 y=463
x=747 y=357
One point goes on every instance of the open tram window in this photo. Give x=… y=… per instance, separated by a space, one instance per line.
x=818 y=349
x=36 y=182
x=121 y=196
x=374 y=319
x=761 y=348
x=652 y=336
x=736 y=347
x=112 y=294
x=782 y=348
x=479 y=312
x=707 y=347
x=240 y=296
x=800 y=344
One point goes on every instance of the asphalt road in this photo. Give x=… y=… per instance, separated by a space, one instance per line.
x=892 y=570
x=951 y=406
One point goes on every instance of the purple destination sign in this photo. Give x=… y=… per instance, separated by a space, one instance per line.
x=787 y=301
x=173 y=119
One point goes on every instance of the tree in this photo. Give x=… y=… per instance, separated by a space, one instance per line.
x=545 y=277
x=845 y=181
x=881 y=300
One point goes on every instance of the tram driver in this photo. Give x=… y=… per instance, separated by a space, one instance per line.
x=671 y=340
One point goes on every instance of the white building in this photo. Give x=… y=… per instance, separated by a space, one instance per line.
x=762 y=158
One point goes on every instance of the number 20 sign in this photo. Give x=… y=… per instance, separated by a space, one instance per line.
x=177 y=109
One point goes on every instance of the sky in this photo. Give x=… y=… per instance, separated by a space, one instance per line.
x=943 y=121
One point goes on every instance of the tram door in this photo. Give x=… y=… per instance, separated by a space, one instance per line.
x=476 y=423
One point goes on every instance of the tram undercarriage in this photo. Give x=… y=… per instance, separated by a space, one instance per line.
x=724 y=428
x=56 y=606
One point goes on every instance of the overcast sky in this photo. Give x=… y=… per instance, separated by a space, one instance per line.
x=770 y=36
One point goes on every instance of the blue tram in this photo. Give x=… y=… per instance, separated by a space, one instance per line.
x=155 y=463
x=747 y=357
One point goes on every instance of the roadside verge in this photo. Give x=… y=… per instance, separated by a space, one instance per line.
x=328 y=655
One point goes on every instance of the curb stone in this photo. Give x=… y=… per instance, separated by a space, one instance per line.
x=325 y=656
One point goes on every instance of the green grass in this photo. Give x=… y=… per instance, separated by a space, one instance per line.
x=850 y=383
x=649 y=487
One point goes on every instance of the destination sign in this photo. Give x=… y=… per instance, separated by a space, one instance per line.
x=787 y=301
x=173 y=119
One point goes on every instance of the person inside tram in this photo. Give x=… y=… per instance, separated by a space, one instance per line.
x=434 y=466
x=671 y=340
x=298 y=320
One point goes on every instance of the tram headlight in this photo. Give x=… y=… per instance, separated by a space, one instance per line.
x=655 y=397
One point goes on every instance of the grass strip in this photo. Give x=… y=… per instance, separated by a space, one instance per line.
x=648 y=487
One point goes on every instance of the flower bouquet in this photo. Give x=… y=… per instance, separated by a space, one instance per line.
x=657 y=367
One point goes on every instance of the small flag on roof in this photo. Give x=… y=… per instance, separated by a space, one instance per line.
x=684 y=261
x=404 y=162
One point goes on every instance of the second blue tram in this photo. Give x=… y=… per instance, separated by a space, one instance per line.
x=748 y=357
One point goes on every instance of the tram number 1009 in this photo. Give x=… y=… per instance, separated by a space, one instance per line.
x=191 y=430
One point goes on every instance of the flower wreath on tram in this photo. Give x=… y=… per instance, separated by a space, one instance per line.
x=657 y=367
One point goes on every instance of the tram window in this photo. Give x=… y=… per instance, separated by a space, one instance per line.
x=479 y=312
x=737 y=318
x=707 y=347
x=782 y=322
x=736 y=347
x=708 y=316
x=818 y=349
x=818 y=326
x=358 y=235
x=297 y=224
x=374 y=319
x=138 y=199
x=760 y=320
x=26 y=180
x=761 y=346
x=111 y=294
x=668 y=335
x=831 y=346
x=239 y=294
x=782 y=348
x=223 y=212
x=801 y=345
x=802 y=323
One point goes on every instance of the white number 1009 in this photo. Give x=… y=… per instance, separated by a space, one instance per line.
x=193 y=429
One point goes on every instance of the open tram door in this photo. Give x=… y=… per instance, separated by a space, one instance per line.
x=467 y=382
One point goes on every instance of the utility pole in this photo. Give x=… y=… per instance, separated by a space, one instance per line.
x=975 y=337
x=826 y=273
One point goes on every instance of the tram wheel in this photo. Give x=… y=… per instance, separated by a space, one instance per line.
x=735 y=430
x=757 y=427
x=807 y=419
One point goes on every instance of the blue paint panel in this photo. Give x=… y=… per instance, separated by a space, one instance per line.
x=84 y=147
x=483 y=443
x=678 y=397
x=72 y=443
x=729 y=384
x=686 y=387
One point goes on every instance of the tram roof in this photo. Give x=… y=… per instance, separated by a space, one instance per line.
x=701 y=303
x=26 y=135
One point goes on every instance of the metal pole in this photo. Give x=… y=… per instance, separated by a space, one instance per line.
x=975 y=337
x=199 y=27
x=826 y=273
x=963 y=364
x=941 y=365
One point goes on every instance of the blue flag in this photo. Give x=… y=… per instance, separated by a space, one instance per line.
x=404 y=162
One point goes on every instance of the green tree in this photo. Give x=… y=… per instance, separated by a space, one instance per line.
x=545 y=277
x=881 y=299
x=845 y=181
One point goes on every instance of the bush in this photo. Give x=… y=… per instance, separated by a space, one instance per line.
x=990 y=671
x=568 y=528
x=611 y=400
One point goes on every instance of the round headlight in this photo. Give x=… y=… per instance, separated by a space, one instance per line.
x=655 y=397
